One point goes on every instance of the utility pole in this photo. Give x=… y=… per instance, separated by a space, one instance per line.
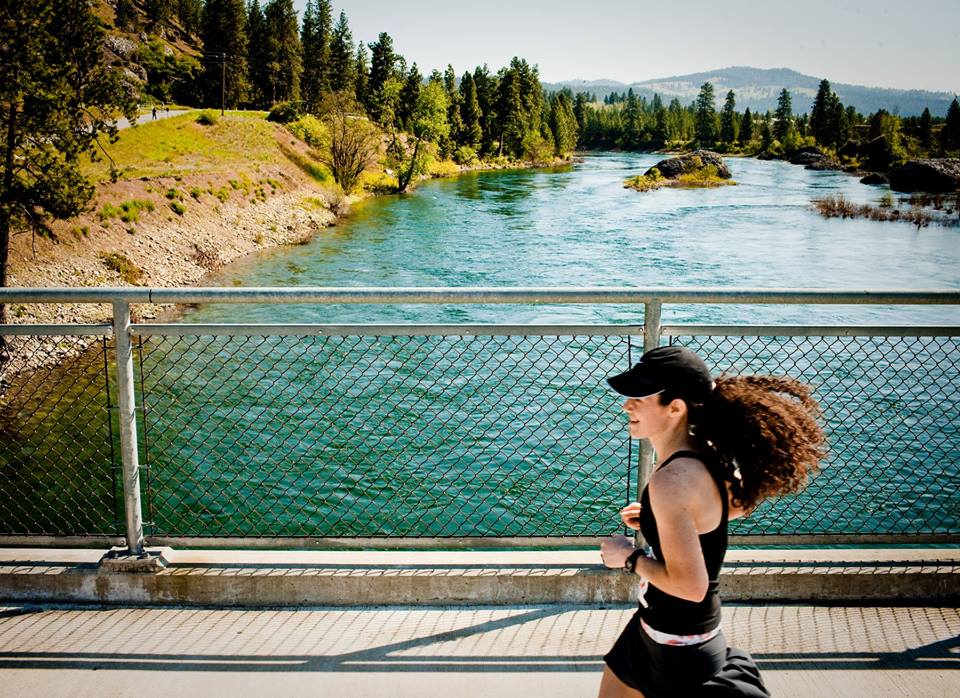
x=223 y=81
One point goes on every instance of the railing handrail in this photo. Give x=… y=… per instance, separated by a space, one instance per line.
x=483 y=295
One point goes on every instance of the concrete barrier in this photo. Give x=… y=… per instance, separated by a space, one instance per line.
x=371 y=578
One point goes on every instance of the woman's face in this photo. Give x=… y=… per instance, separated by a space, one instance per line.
x=647 y=416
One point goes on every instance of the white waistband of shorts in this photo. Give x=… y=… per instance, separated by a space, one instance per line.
x=662 y=638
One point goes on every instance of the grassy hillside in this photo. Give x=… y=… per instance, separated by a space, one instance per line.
x=189 y=198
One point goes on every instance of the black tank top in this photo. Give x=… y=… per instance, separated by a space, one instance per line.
x=668 y=613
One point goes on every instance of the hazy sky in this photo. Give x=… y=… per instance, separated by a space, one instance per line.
x=879 y=43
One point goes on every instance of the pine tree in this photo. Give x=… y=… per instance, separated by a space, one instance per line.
x=746 y=128
x=950 y=134
x=766 y=136
x=190 y=13
x=563 y=124
x=783 y=115
x=412 y=84
x=706 y=117
x=224 y=35
x=310 y=89
x=59 y=99
x=632 y=123
x=926 y=129
x=471 y=134
x=341 y=64
x=822 y=115
x=258 y=77
x=362 y=72
x=382 y=67
x=158 y=11
x=283 y=50
x=579 y=110
x=728 y=133
x=487 y=94
x=454 y=118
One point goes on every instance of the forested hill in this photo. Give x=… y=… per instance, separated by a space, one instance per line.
x=759 y=88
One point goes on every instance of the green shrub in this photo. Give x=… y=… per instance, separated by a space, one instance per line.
x=128 y=211
x=311 y=131
x=128 y=271
x=207 y=117
x=285 y=112
x=465 y=155
x=178 y=207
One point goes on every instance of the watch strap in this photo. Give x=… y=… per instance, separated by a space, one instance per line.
x=630 y=564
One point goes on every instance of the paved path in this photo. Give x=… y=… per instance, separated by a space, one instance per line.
x=147 y=117
x=523 y=651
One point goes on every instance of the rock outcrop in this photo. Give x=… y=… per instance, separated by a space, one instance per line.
x=691 y=163
x=933 y=174
x=874 y=178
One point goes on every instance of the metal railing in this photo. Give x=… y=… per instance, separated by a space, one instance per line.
x=440 y=435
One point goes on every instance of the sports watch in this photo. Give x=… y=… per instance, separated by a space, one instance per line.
x=630 y=564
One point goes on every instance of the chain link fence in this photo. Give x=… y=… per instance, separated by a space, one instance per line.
x=371 y=436
x=388 y=435
x=892 y=416
x=59 y=448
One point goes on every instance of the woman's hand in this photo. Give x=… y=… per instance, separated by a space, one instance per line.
x=615 y=550
x=630 y=515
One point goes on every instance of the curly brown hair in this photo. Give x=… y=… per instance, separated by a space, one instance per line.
x=764 y=432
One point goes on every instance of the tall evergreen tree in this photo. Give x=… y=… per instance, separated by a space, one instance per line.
x=283 y=50
x=158 y=11
x=766 y=136
x=341 y=64
x=487 y=93
x=746 y=127
x=728 y=126
x=310 y=77
x=950 y=134
x=59 y=98
x=412 y=85
x=224 y=34
x=190 y=14
x=454 y=117
x=258 y=75
x=706 y=116
x=563 y=124
x=471 y=133
x=632 y=122
x=362 y=73
x=821 y=114
x=926 y=129
x=383 y=63
x=783 y=115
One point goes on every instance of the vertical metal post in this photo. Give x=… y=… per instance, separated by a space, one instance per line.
x=128 y=428
x=651 y=340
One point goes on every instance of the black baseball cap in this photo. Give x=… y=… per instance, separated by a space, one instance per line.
x=674 y=369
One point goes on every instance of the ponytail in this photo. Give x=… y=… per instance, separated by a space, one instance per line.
x=764 y=432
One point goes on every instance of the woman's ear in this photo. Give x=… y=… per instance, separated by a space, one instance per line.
x=677 y=408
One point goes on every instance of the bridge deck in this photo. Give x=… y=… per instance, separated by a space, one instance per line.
x=420 y=651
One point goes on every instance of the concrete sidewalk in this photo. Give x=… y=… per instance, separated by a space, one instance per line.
x=523 y=651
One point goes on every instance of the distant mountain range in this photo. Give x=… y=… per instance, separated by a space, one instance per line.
x=758 y=88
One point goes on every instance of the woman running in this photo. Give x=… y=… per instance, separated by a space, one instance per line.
x=722 y=446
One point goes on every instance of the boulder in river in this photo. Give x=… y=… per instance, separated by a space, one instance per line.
x=874 y=178
x=691 y=163
x=932 y=174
